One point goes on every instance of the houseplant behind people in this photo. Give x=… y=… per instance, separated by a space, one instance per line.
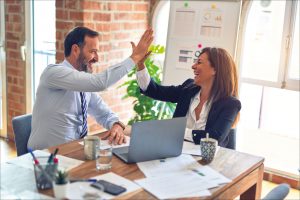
x=209 y=101
x=66 y=92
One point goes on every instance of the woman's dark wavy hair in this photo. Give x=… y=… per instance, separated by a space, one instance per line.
x=226 y=81
x=76 y=36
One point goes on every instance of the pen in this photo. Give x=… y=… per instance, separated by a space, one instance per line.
x=36 y=162
x=83 y=180
x=52 y=155
x=33 y=156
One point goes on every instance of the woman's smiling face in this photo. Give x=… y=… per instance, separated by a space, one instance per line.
x=203 y=70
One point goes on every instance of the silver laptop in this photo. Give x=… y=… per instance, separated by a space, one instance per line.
x=154 y=139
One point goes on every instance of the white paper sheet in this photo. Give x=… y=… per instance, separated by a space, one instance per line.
x=26 y=160
x=115 y=146
x=191 y=148
x=212 y=175
x=78 y=189
x=178 y=185
x=169 y=165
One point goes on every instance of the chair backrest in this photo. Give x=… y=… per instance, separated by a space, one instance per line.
x=231 y=139
x=22 y=129
x=278 y=193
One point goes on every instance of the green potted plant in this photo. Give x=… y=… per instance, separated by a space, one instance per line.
x=146 y=108
x=60 y=184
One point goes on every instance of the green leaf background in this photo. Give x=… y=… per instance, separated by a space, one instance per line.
x=146 y=108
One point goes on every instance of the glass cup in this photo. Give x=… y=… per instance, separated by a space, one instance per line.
x=104 y=155
x=91 y=145
x=44 y=173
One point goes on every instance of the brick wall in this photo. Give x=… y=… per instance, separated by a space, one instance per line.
x=119 y=22
x=15 y=66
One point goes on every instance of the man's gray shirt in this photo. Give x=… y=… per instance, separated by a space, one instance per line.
x=57 y=113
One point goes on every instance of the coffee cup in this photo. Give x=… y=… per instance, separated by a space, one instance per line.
x=208 y=149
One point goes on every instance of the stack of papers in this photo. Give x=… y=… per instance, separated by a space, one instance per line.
x=26 y=161
x=179 y=177
x=79 y=190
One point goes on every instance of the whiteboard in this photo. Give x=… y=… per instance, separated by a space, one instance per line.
x=194 y=25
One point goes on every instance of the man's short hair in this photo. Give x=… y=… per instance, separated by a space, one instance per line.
x=76 y=36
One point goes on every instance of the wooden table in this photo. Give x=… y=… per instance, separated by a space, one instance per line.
x=245 y=170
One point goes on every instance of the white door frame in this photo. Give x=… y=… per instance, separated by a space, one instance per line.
x=27 y=51
x=3 y=130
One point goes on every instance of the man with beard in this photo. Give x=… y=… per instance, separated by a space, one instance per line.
x=67 y=91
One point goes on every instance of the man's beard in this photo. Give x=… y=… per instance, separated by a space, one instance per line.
x=82 y=63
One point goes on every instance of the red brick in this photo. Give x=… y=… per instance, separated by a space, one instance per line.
x=64 y=25
x=9 y=27
x=62 y=13
x=10 y=1
x=59 y=35
x=14 y=9
x=16 y=89
x=124 y=45
x=59 y=4
x=75 y=15
x=13 y=54
x=104 y=37
x=116 y=55
x=124 y=7
x=103 y=27
x=11 y=63
x=17 y=18
x=102 y=17
x=16 y=106
x=71 y=4
x=140 y=7
x=119 y=36
x=11 y=44
x=14 y=71
x=128 y=26
x=104 y=48
x=115 y=26
x=87 y=16
x=90 y=25
x=90 y=5
x=18 y=27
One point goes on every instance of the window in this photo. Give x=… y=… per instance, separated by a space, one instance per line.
x=40 y=44
x=160 y=20
x=43 y=41
x=270 y=42
x=269 y=92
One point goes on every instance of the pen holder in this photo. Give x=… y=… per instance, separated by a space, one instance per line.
x=44 y=173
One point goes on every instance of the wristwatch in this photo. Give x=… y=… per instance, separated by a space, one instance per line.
x=121 y=124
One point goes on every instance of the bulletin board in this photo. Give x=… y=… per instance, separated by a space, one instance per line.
x=194 y=25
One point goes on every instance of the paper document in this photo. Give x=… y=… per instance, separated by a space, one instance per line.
x=27 y=162
x=191 y=148
x=105 y=142
x=169 y=165
x=79 y=190
x=24 y=195
x=211 y=175
x=178 y=185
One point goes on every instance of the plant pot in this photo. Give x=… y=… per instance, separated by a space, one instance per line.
x=60 y=190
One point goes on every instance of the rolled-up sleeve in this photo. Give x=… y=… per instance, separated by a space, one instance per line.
x=101 y=112
x=143 y=78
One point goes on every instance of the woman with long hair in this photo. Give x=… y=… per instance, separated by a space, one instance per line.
x=209 y=101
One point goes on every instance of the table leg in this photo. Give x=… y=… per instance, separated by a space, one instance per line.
x=254 y=192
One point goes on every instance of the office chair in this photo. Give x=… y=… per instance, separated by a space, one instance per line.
x=22 y=129
x=278 y=193
x=231 y=139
